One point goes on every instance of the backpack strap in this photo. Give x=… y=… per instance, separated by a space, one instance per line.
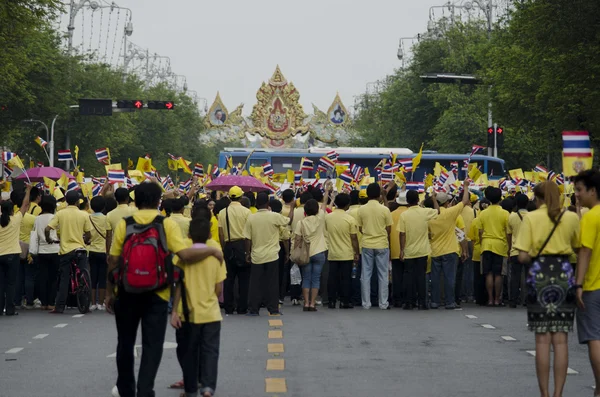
x=132 y=227
x=520 y=216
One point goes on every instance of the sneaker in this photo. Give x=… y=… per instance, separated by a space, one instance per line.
x=281 y=301
x=251 y=314
x=295 y=302
x=37 y=305
x=29 y=307
x=450 y=307
x=115 y=392
x=319 y=302
x=433 y=306
x=93 y=307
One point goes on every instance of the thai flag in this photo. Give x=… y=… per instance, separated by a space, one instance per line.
x=6 y=156
x=443 y=177
x=333 y=156
x=72 y=186
x=417 y=186
x=175 y=158
x=98 y=181
x=539 y=168
x=475 y=149
x=466 y=164
x=454 y=167
x=560 y=179
x=387 y=174
x=116 y=176
x=356 y=171
x=347 y=177
x=504 y=184
x=297 y=176
x=407 y=164
x=199 y=170
x=307 y=164
x=551 y=174
x=185 y=186
x=343 y=164
x=166 y=182
x=440 y=188
x=268 y=169
x=96 y=190
x=65 y=155
x=149 y=174
x=327 y=163
x=102 y=155
x=272 y=189
x=234 y=170
x=576 y=144
x=216 y=173
x=40 y=164
x=7 y=171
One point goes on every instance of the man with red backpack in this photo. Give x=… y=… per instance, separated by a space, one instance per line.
x=141 y=270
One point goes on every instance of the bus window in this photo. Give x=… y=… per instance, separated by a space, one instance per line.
x=495 y=168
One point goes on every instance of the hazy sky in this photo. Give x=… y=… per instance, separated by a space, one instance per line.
x=322 y=46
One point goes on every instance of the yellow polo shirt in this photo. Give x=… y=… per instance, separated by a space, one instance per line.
x=26 y=227
x=183 y=222
x=468 y=214
x=374 y=218
x=394 y=238
x=263 y=229
x=353 y=212
x=474 y=236
x=9 y=235
x=313 y=230
x=98 y=242
x=72 y=223
x=442 y=231
x=590 y=238
x=537 y=226
x=200 y=281
x=494 y=223
x=238 y=214
x=414 y=224
x=34 y=209
x=340 y=227
x=214 y=229
x=114 y=217
x=514 y=225
x=175 y=241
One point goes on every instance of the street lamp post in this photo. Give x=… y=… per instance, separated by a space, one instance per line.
x=401 y=50
x=49 y=137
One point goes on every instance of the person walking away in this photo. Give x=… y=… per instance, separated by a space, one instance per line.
x=97 y=253
x=113 y=218
x=412 y=227
x=26 y=272
x=48 y=260
x=284 y=248
x=10 y=249
x=375 y=222
x=262 y=232
x=357 y=198
x=587 y=189
x=299 y=215
x=478 y=280
x=398 y=266
x=343 y=252
x=464 y=273
x=444 y=248
x=232 y=221
x=494 y=244
x=546 y=239
x=178 y=207
x=151 y=306
x=515 y=220
x=312 y=230
x=75 y=229
x=198 y=319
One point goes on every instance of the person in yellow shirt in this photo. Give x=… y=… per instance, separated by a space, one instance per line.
x=587 y=189
x=75 y=233
x=478 y=280
x=198 y=318
x=445 y=248
x=375 y=224
x=494 y=244
x=343 y=251
x=27 y=270
x=115 y=216
x=36 y=199
x=299 y=215
x=284 y=245
x=515 y=220
x=149 y=308
x=547 y=237
x=262 y=251
x=357 y=198
x=415 y=248
x=97 y=253
x=178 y=207
x=398 y=266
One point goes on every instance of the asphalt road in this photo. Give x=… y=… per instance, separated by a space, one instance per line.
x=469 y=352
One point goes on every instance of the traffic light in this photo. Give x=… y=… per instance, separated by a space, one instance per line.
x=130 y=104
x=95 y=107
x=161 y=105
x=490 y=137
x=499 y=136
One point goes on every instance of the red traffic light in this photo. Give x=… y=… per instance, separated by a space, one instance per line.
x=500 y=130
x=138 y=104
x=169 y=105
x=490 y=130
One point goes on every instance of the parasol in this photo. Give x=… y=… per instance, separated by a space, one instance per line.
x=246 y=183
x=37 y=174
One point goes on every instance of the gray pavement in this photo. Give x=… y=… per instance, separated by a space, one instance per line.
x=327 y=353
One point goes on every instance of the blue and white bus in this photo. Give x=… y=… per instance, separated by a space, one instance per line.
x=284 y=159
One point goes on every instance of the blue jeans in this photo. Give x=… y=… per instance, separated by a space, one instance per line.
x=311 y=272
x=443 y=264
x=377 y=259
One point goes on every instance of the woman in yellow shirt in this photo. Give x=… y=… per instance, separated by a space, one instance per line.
x=546 y=239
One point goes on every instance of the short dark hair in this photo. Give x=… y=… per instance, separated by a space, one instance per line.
x=354 y=197
x=508 y=204
x=342 y=200
x=262 y=200
x=251 y=197
x=147 y=196
x=391 y=195
x=17 y=197
x=177 y=204
x=288 y=196
x=221 y=204
x=531 y=206
x=98 y=204
x=34 y=193
x=521 y=200
x=201 y=212
x=590 y=179
x=72 y=197
x=275 y=205
x=167 y=206
x=412 y=197
x=311 y=207
x=109 y=204
x=245 y=201
x=493 y=194
x=304 y=197
x=317 y=194
x=373 y=191
x=428 y=203
x=122 y=195
x=48 y=205
x=199 y=230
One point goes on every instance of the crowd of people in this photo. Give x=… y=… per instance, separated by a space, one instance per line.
x=381 y=246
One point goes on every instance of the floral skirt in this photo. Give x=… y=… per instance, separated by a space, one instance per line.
x=550 y=298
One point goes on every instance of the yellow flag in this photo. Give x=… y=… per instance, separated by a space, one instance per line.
x=31 y=164
x=173 y=164
x=144 y=165
x=245 y=173
x=437 y=170
x=394 y=157
x=185 y=166
x=417 y=159
x=229 y=163
x=209 y=170
x=339 y=169
x=339 y=184
x=428 y=181
x=529 y=176
x=63 y=181
x=474 y=173
x=16 y=162
x=482 y=180
x=76 y=153
x=86 y=189
x=79 y=177
x=367 y=171
x=574 y=165
x=317 y=175
x=290 y=176
x=50 y=184
x=137 y=174
x=115 y=166
x=516 y=174
x=6 y=186
x=129 y=164
x=280 y=178
x=400 y=176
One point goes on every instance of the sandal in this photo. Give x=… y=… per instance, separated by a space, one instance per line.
x=306 y=309
x=312 y=309
x=177 y=385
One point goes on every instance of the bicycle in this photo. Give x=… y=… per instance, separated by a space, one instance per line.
x=79 y=284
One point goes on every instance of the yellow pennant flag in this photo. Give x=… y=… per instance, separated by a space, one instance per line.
x=229 y=163
x=173 y=164
x=31 y=164
x=129 y=164
x=574 y=165
x=63 y=181
x=79 y=177
x=76 y=151
x=144 y=165
x=516 y=174
x=417 y=159
x=209 y=170
x=185 y=166
x=49 y=183
x=437 y=170
x=367 y=171
x=400 y=177
x=290 y=176
x=16 y=162
x=394 y=158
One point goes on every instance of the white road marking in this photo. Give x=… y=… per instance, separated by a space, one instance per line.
x=113 y=355
x=14 y=350
x=166 y=345
x=78 y=315
x=488 y=326
x=169 y=345
x=470 y=316
x=40 y=336
x=532 y=352
x=571 y=371
x=508 y=338
x=60 y=325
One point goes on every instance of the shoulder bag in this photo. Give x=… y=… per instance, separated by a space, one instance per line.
x=300 y=254
x=95 y=227
x=34 y=240
x=550 y=235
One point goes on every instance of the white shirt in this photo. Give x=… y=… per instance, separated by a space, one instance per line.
x=41 y=221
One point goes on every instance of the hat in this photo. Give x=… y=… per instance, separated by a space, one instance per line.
x=473 y=197
x=401 y=199
x=236 y=192
x=443 y=198
x=362 y=194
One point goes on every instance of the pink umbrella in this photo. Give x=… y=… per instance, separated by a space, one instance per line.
x=37 y=174
x=246 y=183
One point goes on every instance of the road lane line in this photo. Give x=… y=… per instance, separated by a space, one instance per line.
x=275 y=323
x=275 y=348
x=570 y=371
x=40 y=336
x=276 y=334
x=532 y=352
x=78 y=315
x=470 y=316
x=14 y=350
x=508 y=338
x=275 y=385
x=488 y=326
x=275 y=364
x=60 y=325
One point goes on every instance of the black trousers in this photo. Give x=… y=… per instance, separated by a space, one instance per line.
x=198 y=355
x=48 y=277
x=355 y=286
x=242 y=273
x=339 y=280
x=80 y=257
x=131 y=309
x=479 y=284
x=398 y=276
x=9 y=265
x=263 y=284
x=516 y=270
x=415 y=280
x=460 y=269
x=20 y=283
x=284 y=272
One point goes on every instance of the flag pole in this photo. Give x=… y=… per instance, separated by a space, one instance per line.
x=248 y=158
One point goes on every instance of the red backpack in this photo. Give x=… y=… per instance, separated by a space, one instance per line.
x=146 y=263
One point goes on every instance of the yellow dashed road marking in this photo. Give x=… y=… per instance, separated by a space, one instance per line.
x=276 y=334
x=275 y=364
x=275 y=323
x=275 y=348
x=275 y=385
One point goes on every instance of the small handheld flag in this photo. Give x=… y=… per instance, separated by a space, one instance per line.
x=102 y=155
x=96 y=190
x=539 y=168
x=576 y=144
x=407 y=164
x=306 y=164
x=346 y=177
x=72 y=185
x=40 y=141
x=116 y=176
x=333 y=156
x=65 y=155
x=199 y=170
x=417 y=186
x=7 y=156
x=297 y=177
x=268 y=169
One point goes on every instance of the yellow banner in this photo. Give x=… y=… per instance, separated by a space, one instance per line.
x=516 y=174
x=574 y=165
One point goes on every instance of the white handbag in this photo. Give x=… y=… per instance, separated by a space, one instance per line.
x=33 y=242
